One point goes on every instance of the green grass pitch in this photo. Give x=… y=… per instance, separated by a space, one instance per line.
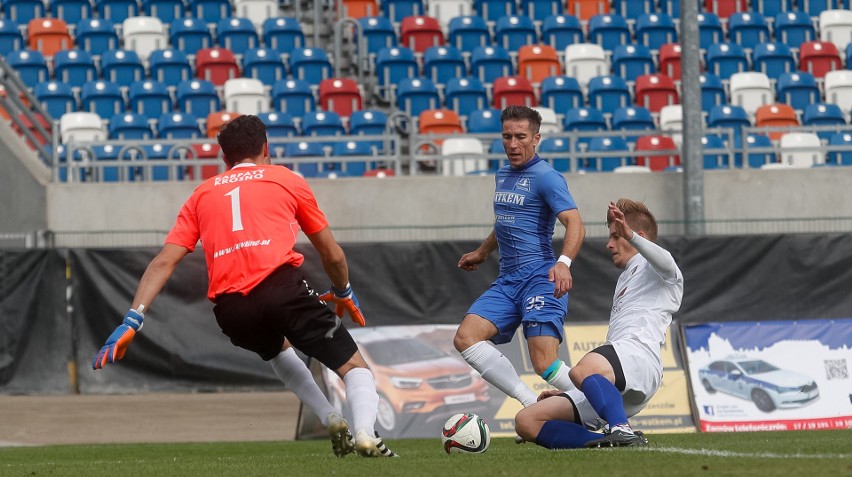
x=800 y=454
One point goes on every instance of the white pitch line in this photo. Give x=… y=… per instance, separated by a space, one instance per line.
x=761 y=455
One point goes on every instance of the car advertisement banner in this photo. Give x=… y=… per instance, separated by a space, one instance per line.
x=767 y=376
x=422 y=381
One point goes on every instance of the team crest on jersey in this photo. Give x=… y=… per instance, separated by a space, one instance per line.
x=523 y=184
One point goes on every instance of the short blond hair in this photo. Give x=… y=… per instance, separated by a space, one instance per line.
x=637 y=216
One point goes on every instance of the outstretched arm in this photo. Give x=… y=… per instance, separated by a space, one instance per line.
x=657 y=256
x=157 y=274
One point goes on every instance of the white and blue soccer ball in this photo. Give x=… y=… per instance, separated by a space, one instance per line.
x=465 y=433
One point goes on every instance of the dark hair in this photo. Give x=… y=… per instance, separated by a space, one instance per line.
x=241 y=138
x=638 y=217
x=519 y=113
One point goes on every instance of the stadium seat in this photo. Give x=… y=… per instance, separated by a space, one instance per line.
x=216 y=65
x=341 y=95
x=236 y=34
x=144 y=35
x=178 y=126
x=49 y=35
x=358 y=9
x=712 y=92
x=56 y=97
x=838 y=89
x=725 y=59
x=491 y=62
x=166 y=10
x=74 y=67
x=513 y=32
x=350 y=149
x=562 y=30
x=293 y=96
x=11 y=38
x=30 y=65
x=376 y=33
x=22 y=11
x=96 y=36
x=835 y=26
x=748 y=28
x=279 y=124
x=439 y=122
x=217 y=119
x=420 y=33
x=715 y=156
x=465 y=94
x=540 y=10
x=484 y=121
x=662 y=153
x=210 y=11
x=369 y=122
x=584 y=120
x=584 y=61
x=468 y=33
x=81 y=126
x=633 y=9
x=801 y=150
x=122 y=66
x=793 y=28
x=561 y=93
x=256 y=11
x=609 y=31
x=537 y=62
x=310 y=64
x=818 y=58
x=669 y=60
x=246 y=95
x=840 y=158
x=773 y=59
x=606 y=145
x=493 y=10
x=283 y=34
x=757 y=150
x=150 y=99
x=633 y=118
x=308 y=156
x=130 y=126
x=608 y=93
x=103 y=98
x=671 y=122
x=556 y=150
x=731 y=117
x=264 y=64
x=775 y=116
x=725 y=8
x=415 y=95
x=710 y=31
x=632 y=61
x=190 y=35
x=750 y=90
x=770 y=8
x=586 y=9
x=322 y=123
x=197 y=97
x=443 y=63
x=655 y=91
x=169 y=66
x=513 y=90
x=824 y=115
x=462 y=155
x=797 y=89
x=108 y=153
x=654 y=29
x=396 y=10
x=550 y=123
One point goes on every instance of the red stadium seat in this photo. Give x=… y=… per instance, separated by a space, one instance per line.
x=670 y=60
x=204 y=151
x=655 y=91
x=725 y=8
x=340 y=95
x=819 y=57
x=513 y=90
x=668 y=155
x=216 y=65
x=420 y=33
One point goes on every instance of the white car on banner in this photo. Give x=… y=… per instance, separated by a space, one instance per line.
x=768 y=386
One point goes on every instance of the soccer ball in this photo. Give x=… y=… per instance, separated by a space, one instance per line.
x=465 y=434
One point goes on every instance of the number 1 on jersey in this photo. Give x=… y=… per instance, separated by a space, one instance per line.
x=236 y=214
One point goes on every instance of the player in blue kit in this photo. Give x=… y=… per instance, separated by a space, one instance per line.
x=532 y=287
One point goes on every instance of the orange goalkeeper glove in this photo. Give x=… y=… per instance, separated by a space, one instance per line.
x=345 y=300
x=117 y=343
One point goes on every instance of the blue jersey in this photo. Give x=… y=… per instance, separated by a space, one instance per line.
x=526 y=203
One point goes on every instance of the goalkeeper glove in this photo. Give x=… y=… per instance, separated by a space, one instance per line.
x=345 y=300
x=116 y=344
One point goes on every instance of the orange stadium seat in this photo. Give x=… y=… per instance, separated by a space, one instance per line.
x=537 y=62
x=586 y=9
x=217 y=119
x=358 y=8
x=776 y=115
x=49 y=35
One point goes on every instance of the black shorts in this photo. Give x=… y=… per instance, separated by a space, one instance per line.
x=283 y=306
x=608 y=352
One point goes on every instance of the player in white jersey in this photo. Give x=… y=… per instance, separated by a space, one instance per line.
x=616 y=380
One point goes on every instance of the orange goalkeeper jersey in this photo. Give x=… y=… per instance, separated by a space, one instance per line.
x=247 y=220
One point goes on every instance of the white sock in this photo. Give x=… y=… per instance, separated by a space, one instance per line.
x=557 y=376
x=498 y=370
x=362 y=398
x=297 y=377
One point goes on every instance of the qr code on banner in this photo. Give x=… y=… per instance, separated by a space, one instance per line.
x=836 y=369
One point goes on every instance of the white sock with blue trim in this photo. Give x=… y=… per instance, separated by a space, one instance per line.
x=557 y=376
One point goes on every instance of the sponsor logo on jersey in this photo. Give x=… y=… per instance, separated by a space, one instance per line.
x=239 y=176
x=523 y=184
x=509 y=198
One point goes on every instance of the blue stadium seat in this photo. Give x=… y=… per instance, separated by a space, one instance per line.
x=793 y=28
x=755 y=159
x=798 y=89
x=714 y=152
x=490 y=62
x=633 y=118
x=770 y=8
x=396 y=10
x=11 y=38
x=310 y=64
x=108 y=153
x=773 y=59
x=154 y=153
x=178 y=126
x=608 y=93
x=210 y=11
x=815 y=7
x=377 y=33
x=30 y=66
x=468 y=32
x=283 y=34
x=304 y=149
x=607 y=163
x=102 y=97
x=709 y=29
x=293 y=96
x=539 y=10
x=728 y=116
x=415 y=95
x=712 y=92
x=169 y=66
x=129 y=125
x=74 y=67
x=22 y=11
x=190 y=35
x=264 y=64
x=56 y=97
x=824 y=114
x=672 y=7
x=166 y=10
x=394 y=64
x=562 y=30
x=492 y=10
x=584 y=120
x=561 y=93
x=369 y=122
x=513 y=32
x=279 y=126
x=609 y=31
x=632 y=61
x=725 y=59
x=442 y=63
x=748 y=28
x=351 y=148
x=465 y=94
x=122 y=66
x=197 y=97
x=555 y=150
x=150 y=99
x=484 y=121
x=96 y=36
x=236 y=34
x=840 y=158
x=655 y=29
x=72 y=11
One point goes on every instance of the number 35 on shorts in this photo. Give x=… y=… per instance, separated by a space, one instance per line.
x=534 y=303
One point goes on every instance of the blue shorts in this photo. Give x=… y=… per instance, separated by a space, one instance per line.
x=524 y=296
